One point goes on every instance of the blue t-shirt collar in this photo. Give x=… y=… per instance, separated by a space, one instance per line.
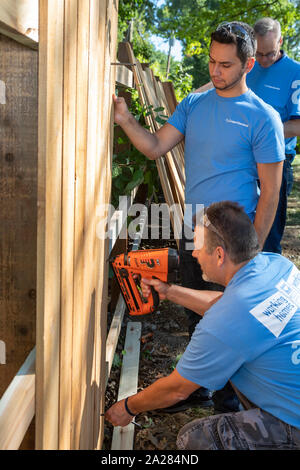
x=260 y=259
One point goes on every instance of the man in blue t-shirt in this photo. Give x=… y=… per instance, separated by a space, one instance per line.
x=276 y=79
x=250 y=334
x=232 y=139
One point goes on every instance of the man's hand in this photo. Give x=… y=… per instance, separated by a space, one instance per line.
x=160 y=287
x=117 y=415
x=121 y=110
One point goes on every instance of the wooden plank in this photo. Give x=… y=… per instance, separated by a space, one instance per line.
x=113 y=335
x=100 y=246
x=49 y=222
x=68 y=203
x=103 y=197
x=18 y=208
x=17 y=406
x=124 y=76
x=2 y=353
x=19 y=21
x=171 y=185
x=117 y=223
x=170 y=96
x=123 y=436
x=79 y=312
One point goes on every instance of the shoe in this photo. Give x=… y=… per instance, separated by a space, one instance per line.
x=227 y=404
x=199 y=399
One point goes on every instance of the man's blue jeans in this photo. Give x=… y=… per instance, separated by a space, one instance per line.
x=272 y=243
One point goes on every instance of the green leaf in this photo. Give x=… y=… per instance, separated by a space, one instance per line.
x=137 y=179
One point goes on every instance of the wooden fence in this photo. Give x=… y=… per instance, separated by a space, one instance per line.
x=56 y=139
x=66 y=175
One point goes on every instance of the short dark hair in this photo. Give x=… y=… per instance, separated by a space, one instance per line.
x=245 y=49
x=237 y=234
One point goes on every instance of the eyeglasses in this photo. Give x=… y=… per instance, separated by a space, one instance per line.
x=207 y=223
x=235 y=29
x=269 y=55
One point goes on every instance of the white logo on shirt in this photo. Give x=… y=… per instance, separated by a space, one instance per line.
x=296 y=354
x=276 y=311
x=273 y=87
x=296 y=94
x=236 y=122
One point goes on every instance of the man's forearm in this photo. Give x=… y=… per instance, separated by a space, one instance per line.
x=292 y=128
x=161 y=394
x=141 y=138
x=198 y=301
x=265 y=214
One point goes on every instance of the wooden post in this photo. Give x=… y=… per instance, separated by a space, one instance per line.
x=18 y=194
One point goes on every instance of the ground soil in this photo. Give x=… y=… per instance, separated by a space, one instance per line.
x=164 y=339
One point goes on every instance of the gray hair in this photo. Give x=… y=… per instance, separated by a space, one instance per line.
x=266 y=25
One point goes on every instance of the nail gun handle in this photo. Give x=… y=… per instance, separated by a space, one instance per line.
x=152 y=303
x=155 y=297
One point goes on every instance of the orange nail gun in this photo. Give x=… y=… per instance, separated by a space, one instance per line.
x=131 y=267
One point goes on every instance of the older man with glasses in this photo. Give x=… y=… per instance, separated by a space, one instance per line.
x=249 y=334
x=276 y=79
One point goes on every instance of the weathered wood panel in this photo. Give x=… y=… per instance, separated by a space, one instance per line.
x=18 y=213
x=18 y=193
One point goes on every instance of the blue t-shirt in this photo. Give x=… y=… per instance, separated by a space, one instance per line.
x=224 y=140
x=252 y=337
x=279 y=86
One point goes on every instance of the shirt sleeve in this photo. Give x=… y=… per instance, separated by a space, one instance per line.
x=268 y=141
x=179 y=117
x=208 y=362
x=294 y=102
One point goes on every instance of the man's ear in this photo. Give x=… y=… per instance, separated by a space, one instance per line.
x=220 y=253
x=250 y=64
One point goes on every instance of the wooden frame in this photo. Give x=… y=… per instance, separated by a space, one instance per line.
x=19 y=21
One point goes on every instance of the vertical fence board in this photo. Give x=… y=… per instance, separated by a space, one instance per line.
x=68 y=202
x=79 y=312
x=105 y=164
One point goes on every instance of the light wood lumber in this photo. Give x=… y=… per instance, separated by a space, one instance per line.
x=123 y=436
x=68 y=206
x=17 y=406
x=113 y=335
x=124 y=76
x=49 y=222
x=80 y=290
x=19 y=21
x=106 y=124
x=100 y=247
x=172 y=187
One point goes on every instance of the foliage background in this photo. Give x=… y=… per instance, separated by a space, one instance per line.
x=190 y=22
